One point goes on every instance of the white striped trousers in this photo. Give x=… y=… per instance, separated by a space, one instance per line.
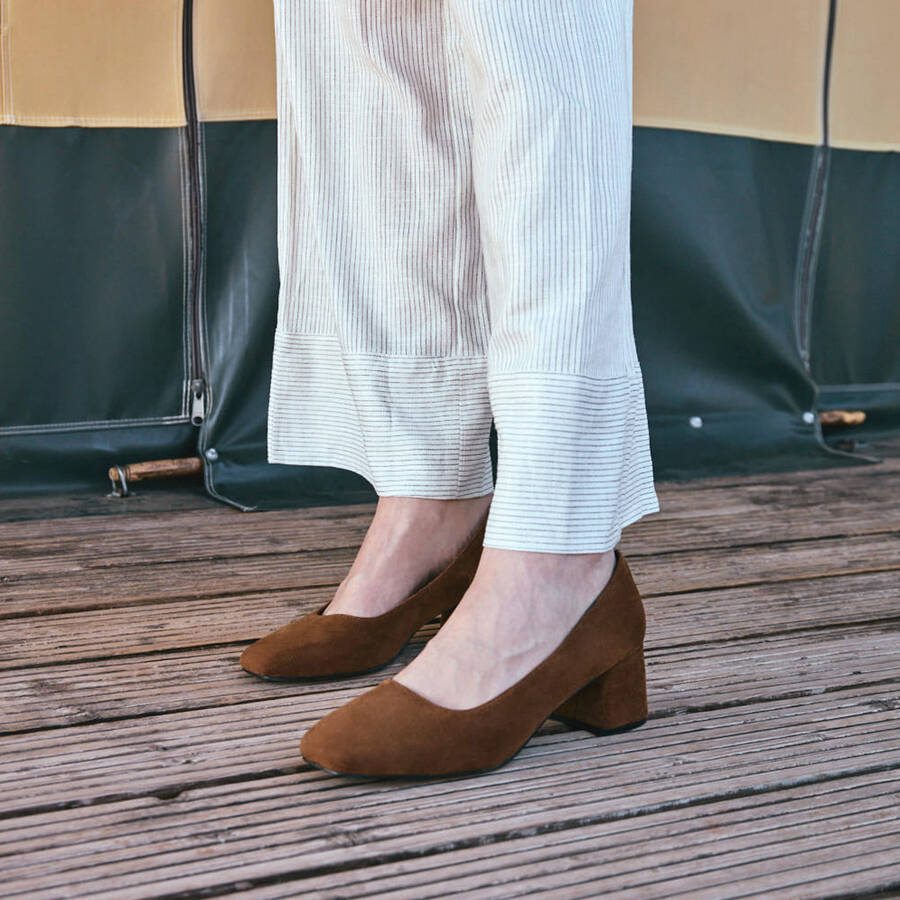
x=454 y=189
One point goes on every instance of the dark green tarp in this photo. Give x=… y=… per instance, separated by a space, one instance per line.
x=95 y=330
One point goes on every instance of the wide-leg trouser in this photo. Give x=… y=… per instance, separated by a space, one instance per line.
x=454 y=186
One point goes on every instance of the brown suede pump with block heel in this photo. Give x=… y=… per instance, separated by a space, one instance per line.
x=317 y=646
x=595 y=679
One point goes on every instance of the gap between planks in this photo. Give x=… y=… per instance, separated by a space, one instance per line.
x=343 y=834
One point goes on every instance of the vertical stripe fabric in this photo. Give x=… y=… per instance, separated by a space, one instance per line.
x=454 y=187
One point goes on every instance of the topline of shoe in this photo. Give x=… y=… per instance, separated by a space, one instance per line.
x=595 y=679
x=317 y=646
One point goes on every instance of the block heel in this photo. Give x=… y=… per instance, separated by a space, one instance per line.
x=615 y=701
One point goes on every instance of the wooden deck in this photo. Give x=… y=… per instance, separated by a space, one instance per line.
x=139 y=761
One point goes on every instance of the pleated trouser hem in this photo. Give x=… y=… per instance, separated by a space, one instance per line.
x=574 y=463
x=413 y=426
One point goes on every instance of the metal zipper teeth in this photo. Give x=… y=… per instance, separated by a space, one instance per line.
x=197 y=374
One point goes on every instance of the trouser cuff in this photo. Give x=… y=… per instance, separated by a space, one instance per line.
x=413 y=426
x=574 y=465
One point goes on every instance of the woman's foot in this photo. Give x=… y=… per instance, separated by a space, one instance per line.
x=409 y=541
x=518 y=609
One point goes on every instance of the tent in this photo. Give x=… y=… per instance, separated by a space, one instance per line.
x=138 y=260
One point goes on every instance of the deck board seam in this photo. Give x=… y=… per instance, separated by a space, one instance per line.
x=509 y=834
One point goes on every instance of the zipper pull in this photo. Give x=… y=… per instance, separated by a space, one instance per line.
x=198 y=401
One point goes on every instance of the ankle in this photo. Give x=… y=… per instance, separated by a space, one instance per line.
x=410 y=541
x=415 y=513
x=571 y=571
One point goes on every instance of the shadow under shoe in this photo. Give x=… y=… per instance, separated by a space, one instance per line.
x=317 y=646
x=595 y=679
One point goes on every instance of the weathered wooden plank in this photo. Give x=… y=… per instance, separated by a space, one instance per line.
x=790 y=866
x=674 y=572
x=173 y=495
x=811 y=851
x=107 y=633
x=183 y=520
x=178 y=538
x=213 y=791
x=859 y=503
x=83 y=763
x=679 y=677
x=309 y=821
x=149 y=583
x=52 y=844
x=706 y=614
x=661 y=853
x=815 y=859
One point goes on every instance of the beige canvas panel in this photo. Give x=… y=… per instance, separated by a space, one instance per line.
x=234 y=59
x=721 y=66
x=92 y=62
x=865 y=76
x=732 y=67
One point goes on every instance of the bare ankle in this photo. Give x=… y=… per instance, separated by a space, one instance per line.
x=410 y=540
x=415 y=510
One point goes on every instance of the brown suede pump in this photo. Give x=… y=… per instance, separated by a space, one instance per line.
x=317 y=646
x=595 y=679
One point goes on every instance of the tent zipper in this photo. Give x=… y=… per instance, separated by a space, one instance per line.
x=814 y=212
x=198 y=385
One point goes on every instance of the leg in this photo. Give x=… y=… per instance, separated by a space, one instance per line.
x=552 y=169
x=379 y=361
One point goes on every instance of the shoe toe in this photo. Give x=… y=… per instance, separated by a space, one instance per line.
x=357 y=738
x=304 y=648
x=260 y=658
x=271 y=657
x=387 y=731
x=323 y=747
x=316 y=646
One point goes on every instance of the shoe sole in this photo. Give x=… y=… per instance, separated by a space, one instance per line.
x=310 y=679
x=599 y=732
